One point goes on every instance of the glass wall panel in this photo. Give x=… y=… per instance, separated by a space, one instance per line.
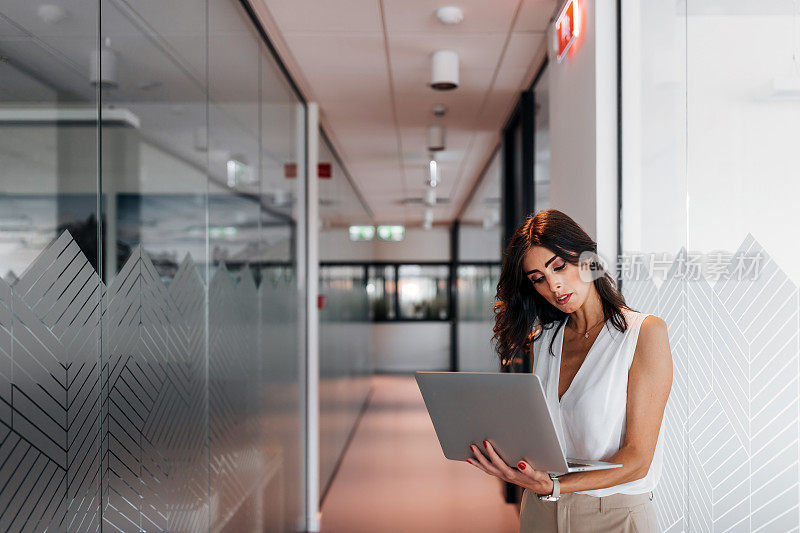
x=654 y=217
x=422 y=291
x=479 y=255
x=710 y=123
x=235 y=216
x=149 y=327
x=50 y=287
x=480 y=230
x=280 y=297
x=382 y=292
x=541 y=143
x=477 y=286
x=345 y=326
x=153 y=184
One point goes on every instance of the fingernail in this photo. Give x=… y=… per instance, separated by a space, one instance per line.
x=469 y=461
x=521 y=465
x=472 y=446
x=486 y=443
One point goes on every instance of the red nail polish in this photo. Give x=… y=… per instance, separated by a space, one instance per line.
x=486 y=444
x=521 y=466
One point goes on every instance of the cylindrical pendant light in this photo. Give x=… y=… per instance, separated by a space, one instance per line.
x=436 y=140
x=103 y=68
x=430 y=197
x=427 y=221
x=444 y=70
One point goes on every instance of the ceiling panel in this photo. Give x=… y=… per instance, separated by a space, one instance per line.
x=534 y=15
x=376 y=100
x=480 y=16
x=521 y=46
x=412 y=51
x=347 y=16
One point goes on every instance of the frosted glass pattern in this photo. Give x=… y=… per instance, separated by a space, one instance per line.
x=124 y=420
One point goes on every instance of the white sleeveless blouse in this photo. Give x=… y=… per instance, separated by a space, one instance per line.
x=590 y=418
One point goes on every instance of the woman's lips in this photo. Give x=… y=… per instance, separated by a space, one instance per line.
x=565 y=300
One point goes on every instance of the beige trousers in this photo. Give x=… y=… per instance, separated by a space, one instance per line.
x=579 y=513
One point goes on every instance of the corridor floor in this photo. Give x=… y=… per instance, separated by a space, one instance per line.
x=394 y=478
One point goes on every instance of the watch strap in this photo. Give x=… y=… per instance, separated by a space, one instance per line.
x=555 y=494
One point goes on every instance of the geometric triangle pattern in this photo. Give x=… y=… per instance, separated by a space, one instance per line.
x=732 y=423
x=119 y=409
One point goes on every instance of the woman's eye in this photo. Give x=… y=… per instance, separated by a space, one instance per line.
x=564 y=264
x=537 y=280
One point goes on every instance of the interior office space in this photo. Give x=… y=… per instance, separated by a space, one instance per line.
x=230 y=230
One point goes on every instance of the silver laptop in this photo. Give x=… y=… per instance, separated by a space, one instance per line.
x=508 y=410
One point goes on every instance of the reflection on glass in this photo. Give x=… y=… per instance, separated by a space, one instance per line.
x=159 y=360
x=477 y=285
x=423 y=292
x=480 y=231
x=382 y=291
x=345 y=326
x=479 y=253
x=541 y=142
x=344 y=289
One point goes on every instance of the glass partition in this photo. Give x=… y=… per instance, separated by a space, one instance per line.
x=710 y=119
x=149 y=325
x=422 y=292
x=50 y=263
x=382 y=292
x=541 y=142
x=478 y=271
x=345 y=326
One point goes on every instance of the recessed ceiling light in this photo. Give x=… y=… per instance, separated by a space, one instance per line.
x=450 y=15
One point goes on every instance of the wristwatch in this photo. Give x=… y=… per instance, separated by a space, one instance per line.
x=555 y=495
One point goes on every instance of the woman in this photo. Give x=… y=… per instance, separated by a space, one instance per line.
x=606 y=371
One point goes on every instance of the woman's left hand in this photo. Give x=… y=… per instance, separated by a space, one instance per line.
x=524 y=475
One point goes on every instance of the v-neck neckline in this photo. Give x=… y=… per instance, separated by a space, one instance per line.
x=583 y=363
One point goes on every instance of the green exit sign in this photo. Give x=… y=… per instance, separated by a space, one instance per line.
x=362 y=233
x=391 y=233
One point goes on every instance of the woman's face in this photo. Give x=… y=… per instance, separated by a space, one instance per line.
x=554 y=277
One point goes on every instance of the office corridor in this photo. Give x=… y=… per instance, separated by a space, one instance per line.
x=394 y=478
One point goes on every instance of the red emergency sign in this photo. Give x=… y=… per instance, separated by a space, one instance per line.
x=567 y=27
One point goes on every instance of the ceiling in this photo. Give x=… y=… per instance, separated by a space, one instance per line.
x=367 y=64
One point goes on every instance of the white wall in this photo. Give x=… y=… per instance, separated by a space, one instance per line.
x=335 y=245
x=478 y=244
x=583 y=127
x=410 y=346
x=419 y=245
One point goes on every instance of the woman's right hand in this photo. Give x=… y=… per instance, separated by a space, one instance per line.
x=524 y=475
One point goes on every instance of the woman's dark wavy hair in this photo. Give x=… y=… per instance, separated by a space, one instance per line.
x=519 y=307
